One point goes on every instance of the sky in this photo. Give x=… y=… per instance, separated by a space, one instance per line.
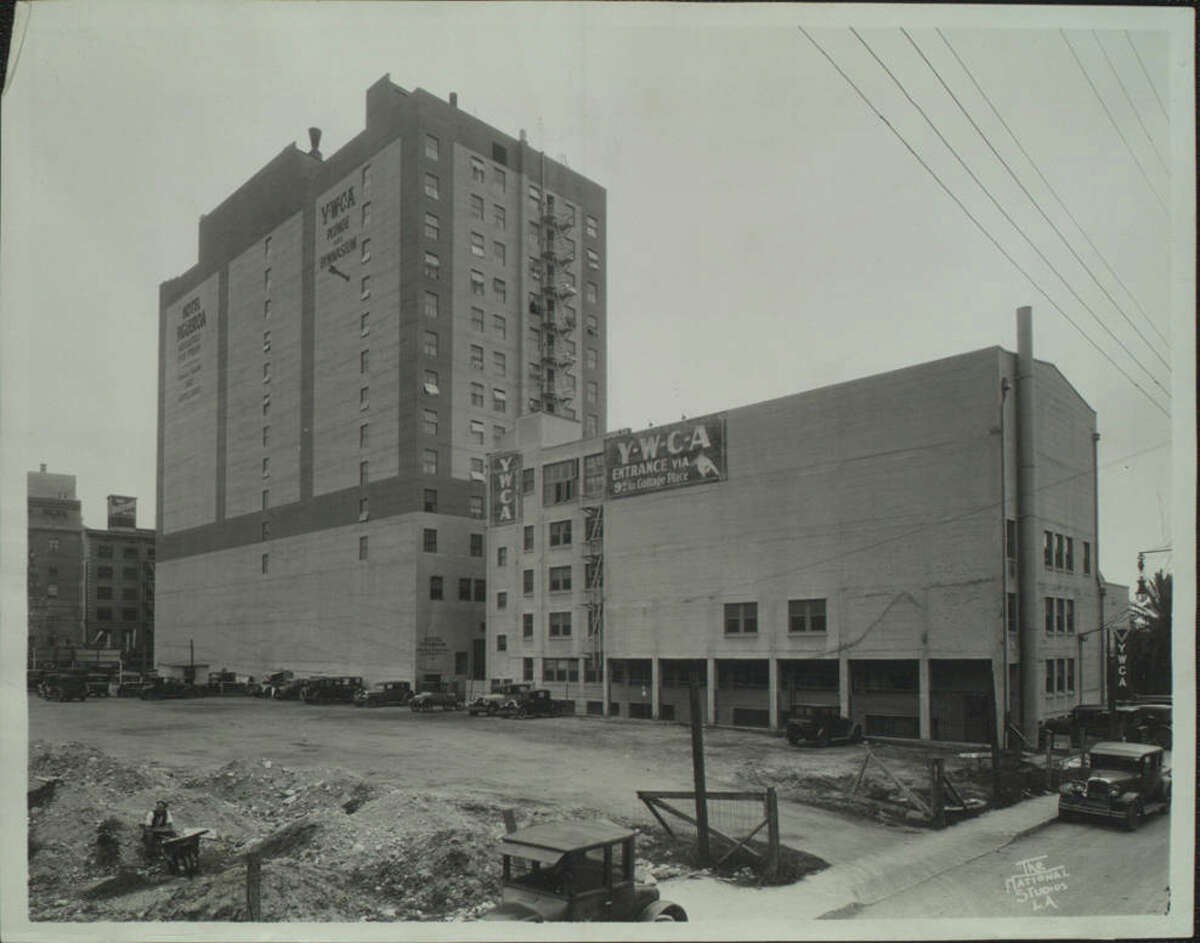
x=767 y=232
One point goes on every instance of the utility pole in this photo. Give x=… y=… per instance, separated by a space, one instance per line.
x=698 y=774
x=1003 y=737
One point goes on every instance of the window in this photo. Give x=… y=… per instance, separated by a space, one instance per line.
x=431 y=186
x=500 y=288
x=1049 y=615
x=430 y=502
x=478 y=248
x=806 y=615
x=266 y=404
x=266 y=342
x=499 y=325
x=1071 y=674
x=364 y=509
x=430 y=421
x=535 y=232
x=267 y=372
x=1048 y=548
x=477 y=468
x=433 y=227
x=267 y=308
x=592 y=392
x=535 y=200
x=366 y=214
x=477 y=545
x=593 y=474
x=591 y=226
x=104 y=614
x=267 y=281
x=431 y=382
x=477 y=389
x=501 y=556
x=475 y=506
x=364 y=435
x=499 y=400
x=1070 y=616
x=433 y=266
x=560 y=579
x=527 y=480
x=500 y=155
x=364 y=360
x=431 y=304
x=366 y=249
x=104 y=592
x=1058 y=551
x=593 y=259
x=1061 y=686
x=102 y=572
x=464 y=589
x=500 y=253
x=560 y=533
x=477 y=431
x=499 y=362
x=591 y=292
x=499 y=216
x=460 y=663
x=476 y=357
x=265 y=562
x=477 y=171
x=741 y=618
x=364 y=324
x=1060 y=621
x=742 y=674
x=431 y=344
x=560 y=481
x=264 y=530
x=1010 y=539
x=365 y=290
x=1049 y=675
x=366 y=177
x=129 y=553
x=429 y=465
x=527 y=625
x=362 y=548
x=129 y=573
x=1011 y=614
x=364 y=397
x=435 y=587
x=477 y=285
x=560 y=624
x=527 y=582
x=591 y=358
x=267 y=247
x=129 y=615
x=592 y=324
x=535 y=270
x=1087 y=557
x=1070 y=555
x=266 y=467
x=476 y=206
x=431 y=147
x=591 y=425
x=528 y=537
x=501 y=600
x=266 y=435
x=560 y=669
x=501 y=643
x=593 y=576
x=363 y=473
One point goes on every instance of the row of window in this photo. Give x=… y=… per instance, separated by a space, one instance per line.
x=105 y=551
x=560 y=581
x=1060 y=616
x=105 y=614
x=1058 y=553
x=106 y=572
x=804 y=615
x=429 y=542
x=1060 y=675
x=128 y=593
x=558 y=625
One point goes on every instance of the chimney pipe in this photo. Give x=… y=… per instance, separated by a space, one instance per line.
x=314 y=136
x=454 y=99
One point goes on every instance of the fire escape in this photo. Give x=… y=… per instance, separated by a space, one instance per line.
x=593 y=533
x=557 y=322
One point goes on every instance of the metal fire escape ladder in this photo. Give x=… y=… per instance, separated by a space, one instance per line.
x=557 y=322
x=594 y=570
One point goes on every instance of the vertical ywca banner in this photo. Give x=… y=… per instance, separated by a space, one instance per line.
x=506 y=487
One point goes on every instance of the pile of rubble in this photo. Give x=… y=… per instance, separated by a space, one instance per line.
x=333 y=846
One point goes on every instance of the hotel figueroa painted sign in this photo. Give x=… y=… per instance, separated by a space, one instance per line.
x=688 y=452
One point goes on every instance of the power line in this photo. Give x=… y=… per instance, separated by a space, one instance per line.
x=1050 y=187
x=1021 y=233
x=1037 y=205
x=1116 y=127
x=1132 y=106
x=1153 y=88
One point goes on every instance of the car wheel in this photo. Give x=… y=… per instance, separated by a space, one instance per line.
x=1133 y=816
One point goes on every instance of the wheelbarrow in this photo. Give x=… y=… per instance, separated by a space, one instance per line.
x=180 y=852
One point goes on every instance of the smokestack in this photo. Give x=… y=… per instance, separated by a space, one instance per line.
x=454 y=99
x=314 y=136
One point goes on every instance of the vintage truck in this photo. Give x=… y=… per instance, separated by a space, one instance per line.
x=1122 y=782
x=576 y=871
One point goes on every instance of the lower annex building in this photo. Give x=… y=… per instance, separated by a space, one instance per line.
x=916 y=547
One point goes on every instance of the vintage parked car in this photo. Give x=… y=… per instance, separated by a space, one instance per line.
x=161 y=688
x=98 y=685
x=130 y=685
x=290 y=690
x=383 y=693
x=1150 y=723
x=1084 y=722
x=64 y=686
x=820 y=724
x=1125 y=781
x=334 y=690
x=534 y=703
x=446 y=698
x=576 y=871
x=492 y=702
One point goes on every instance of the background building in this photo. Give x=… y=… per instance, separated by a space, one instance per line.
x=120 y=586
x=899 y=546
x=55 y=574
x=357 y=333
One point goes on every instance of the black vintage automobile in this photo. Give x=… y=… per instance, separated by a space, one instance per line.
x=1124 y=782
x=820 y=724
x=65 y=686
x=334 y=690
x=156 y=689
x=535 y=703
x=384 y=693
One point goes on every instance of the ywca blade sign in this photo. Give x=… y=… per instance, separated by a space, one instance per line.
x=689 y=452
x=1122 y=638
x=506 y=487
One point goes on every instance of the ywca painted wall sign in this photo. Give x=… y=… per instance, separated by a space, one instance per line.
x=335 y=238
x=506 y=487
x=190 y=335
x=689 y=452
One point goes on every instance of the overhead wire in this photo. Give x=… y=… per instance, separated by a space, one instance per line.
x=1006 y=215
x=1116 y=127
x=1050 y=187
x=1153 y=89
x=1132 y=106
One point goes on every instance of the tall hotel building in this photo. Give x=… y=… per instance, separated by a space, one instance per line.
x=357 y=334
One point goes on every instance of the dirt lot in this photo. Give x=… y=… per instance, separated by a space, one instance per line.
x=379 y=814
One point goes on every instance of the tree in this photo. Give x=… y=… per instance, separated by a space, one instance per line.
x=1149 y=644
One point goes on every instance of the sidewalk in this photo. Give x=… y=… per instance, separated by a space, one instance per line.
x=870 y=876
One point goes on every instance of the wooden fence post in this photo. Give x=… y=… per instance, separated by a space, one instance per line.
x=937 y=793
x=510 y=821
x=253 y=888
x=772 y=812
x=698 y=774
